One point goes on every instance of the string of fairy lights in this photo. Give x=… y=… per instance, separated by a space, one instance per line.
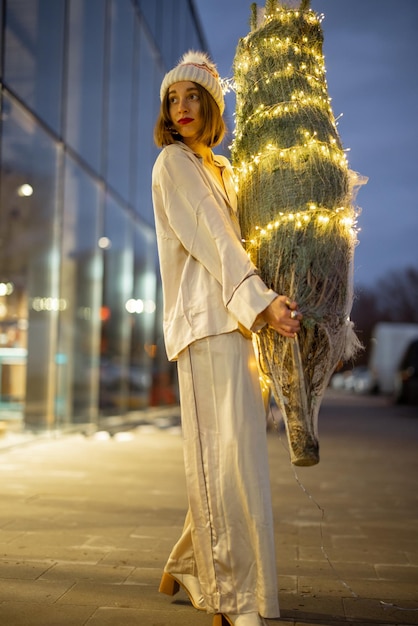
x=296 y=156
x=308 y=62
x=301 y=219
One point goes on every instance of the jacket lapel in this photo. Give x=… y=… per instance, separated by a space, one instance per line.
x=228 y=190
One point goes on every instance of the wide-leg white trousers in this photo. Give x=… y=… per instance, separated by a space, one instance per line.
x=227 y=540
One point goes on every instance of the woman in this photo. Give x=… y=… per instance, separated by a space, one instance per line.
x=213 y=301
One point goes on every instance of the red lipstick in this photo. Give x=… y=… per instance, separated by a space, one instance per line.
x=185 y=120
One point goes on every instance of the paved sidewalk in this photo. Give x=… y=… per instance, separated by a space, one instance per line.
x=86 y=524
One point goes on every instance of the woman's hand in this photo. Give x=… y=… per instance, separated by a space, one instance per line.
x=283 y=316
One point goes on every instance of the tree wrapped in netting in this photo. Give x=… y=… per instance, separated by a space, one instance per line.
x=297 y=214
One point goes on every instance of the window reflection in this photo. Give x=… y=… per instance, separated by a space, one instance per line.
x=147 y=105
x=150 y=11
x=167 y=27
x=1 y=32
x=34 y=53
x=142 y=308
x=81 y=276
x=29 y=260
x=119 y=143
x=115 y=330
x=86 y=55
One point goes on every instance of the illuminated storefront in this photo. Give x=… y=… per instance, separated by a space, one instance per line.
x=80 y=336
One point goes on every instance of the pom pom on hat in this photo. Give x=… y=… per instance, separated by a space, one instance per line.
x=196 y=67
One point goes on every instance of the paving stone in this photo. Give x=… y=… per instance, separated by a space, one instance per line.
x=105 y=616
x=63 y=571
x=32 y=591
x=385 y=590
x=405 y=573
x=30 y=570
x=39 y=614
x=322 y=607
x=108 y=595
x=374 y=612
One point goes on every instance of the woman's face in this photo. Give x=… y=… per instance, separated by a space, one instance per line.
x=184 y=109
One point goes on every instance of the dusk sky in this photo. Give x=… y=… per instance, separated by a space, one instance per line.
x=371 y=56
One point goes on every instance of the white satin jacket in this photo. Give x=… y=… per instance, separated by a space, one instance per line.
x=210 y=286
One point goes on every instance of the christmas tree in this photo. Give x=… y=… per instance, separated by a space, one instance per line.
x=297 y=216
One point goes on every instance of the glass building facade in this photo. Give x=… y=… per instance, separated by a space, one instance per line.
x=80 y=328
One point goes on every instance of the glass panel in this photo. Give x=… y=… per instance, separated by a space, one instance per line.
x=182 y=35
x=164 y=374
x=29 y=260
x=194 y=41
x=117 y=290
x=84 y=119
x=142 y=308
x=1 y=33
x=149 y=11
x=167 y=31
x=146 y=151
x=34 y=55
x=120 y=97
x=81 y=279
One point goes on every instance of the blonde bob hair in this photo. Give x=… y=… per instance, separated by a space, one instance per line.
x=213 y=129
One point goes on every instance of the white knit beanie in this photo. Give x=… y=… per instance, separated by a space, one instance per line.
x=198 y=68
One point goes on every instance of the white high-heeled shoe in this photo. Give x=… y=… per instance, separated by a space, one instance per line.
x=243 y=619
x=170 y=584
